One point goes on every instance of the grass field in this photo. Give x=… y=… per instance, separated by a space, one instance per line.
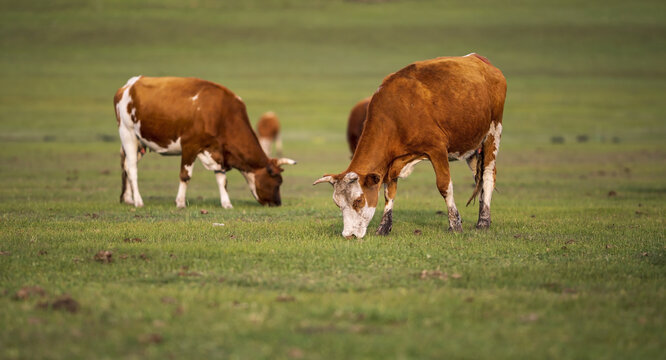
x=574 y=265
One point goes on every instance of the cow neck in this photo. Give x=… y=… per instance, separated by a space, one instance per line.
x=371 y=157
x=249 y=159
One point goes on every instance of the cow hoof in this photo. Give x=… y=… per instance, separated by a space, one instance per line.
x=483 y=224
x=457 y=228
x=383 y=230
x=227 y=206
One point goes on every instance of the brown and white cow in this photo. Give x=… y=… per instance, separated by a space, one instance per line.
x=195 y=119
x=441 y=110
x=268 y=131
x=355 y=123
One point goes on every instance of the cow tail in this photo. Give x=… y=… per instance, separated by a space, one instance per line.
x=124 y=173
x=478 y=177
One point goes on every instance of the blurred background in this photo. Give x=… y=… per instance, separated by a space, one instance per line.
x=582 y=76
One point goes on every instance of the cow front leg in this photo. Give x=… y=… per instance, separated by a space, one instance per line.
x=130 y=158
x=212 y=160
x=221 y=177
x=386 y=225
x=440 y=163
x=488 y=175
x=186 y=166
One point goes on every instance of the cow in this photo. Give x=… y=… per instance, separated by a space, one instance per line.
x=355 y=123
x=268 y=131
x=439 y=110
x=192 y=118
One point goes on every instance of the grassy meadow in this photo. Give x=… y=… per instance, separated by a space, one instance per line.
x=573 y=266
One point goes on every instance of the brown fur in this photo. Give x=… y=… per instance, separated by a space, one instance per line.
x=429 y=109
x=355 y=123
x=216 y=122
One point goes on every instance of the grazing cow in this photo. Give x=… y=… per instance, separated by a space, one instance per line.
x=195 y=119
x=268 y=129
x=440 y=110
x=355 y=123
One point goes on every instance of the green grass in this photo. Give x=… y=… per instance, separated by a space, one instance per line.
x=566 y=271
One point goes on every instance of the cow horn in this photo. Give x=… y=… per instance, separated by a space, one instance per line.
x=285 y=161
x=327 y=178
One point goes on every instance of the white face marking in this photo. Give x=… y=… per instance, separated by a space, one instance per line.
x=249 y=177
x=408 y=168
x=345 y=192
x=195 y=97
x=207 y=160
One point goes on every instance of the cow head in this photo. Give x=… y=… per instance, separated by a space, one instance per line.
x=356 y=195
x=265 y=182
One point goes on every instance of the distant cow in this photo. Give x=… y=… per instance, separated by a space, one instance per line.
x=440 y=110
x=268 y=131
x=195 y=119
x=355 y=123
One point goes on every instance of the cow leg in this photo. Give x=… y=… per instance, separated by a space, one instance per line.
x=221 y=178
x=489 y=148
x=130 y=146
x=278 y=145
x=126 y=192
x=386 y=225
x=213 y=161
x=440 y=163
x=186 y=166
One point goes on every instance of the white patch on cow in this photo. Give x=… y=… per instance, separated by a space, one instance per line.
x=354 y=222
x=222 y=184
x=408 y=168
x=174 y=147
x=249 y=177
x=496 y=131
x=195 y=97
x=470 y=54
x=208 y=162
x=182 y=188
x=265 y=145
x=457 y=156
x=239 y=98
x=180 y=198
x=450 y=203
x=129 y=142
x=389 y=206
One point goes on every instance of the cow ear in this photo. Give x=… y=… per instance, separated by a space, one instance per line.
x=273 y=170
x=372 y=179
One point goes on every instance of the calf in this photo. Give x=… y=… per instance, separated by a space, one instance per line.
x=440 y=110
x=355 y=123
x=192 y=118
x=268 y=129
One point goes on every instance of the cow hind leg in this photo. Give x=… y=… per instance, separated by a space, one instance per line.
x=440 y=163
x=386 y=225
x=488 y=174
x=126 y=192
x=130 y=156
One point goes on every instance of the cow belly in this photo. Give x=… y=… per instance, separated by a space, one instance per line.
x=173 y=148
